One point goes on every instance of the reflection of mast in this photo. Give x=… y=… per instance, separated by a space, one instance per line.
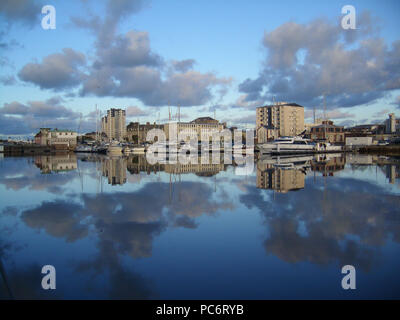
x=324 y=194
x=170 y=188
x=3 y=275
x=179 y=193
x=80 y=176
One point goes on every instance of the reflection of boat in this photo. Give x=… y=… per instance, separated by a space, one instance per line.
x=115 y=148
x=134 y=150
x=300 y=162
x=327 y=147
x=84 y=148
x=288 y=145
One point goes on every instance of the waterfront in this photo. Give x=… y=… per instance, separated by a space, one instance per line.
x=117 y=227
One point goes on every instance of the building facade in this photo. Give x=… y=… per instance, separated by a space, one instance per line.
x=392 y=124
x=137 y=133
x=329 y=132
x=63 y=139
x=280 y=119
x=114 y=124
x=198 y=127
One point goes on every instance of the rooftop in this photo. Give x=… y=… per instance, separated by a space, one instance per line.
x=283 y=104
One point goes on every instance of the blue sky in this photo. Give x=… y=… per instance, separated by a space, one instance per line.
x=238 y=48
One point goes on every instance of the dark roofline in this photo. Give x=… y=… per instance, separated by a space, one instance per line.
x=327 y=126
x=290 y=104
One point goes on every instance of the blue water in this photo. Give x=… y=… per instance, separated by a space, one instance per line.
x=115 y=230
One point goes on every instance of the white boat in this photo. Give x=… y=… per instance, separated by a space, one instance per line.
x=115 y=148
x=84 y=148
x=288 y=145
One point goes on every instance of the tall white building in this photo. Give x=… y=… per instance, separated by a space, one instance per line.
x=392 y=124
x=114 y=124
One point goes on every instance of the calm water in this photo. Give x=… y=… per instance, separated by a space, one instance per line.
x=120 y=228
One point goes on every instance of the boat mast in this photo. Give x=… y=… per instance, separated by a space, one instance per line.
x=324 y=117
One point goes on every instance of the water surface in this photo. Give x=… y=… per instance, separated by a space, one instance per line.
x=121 y=228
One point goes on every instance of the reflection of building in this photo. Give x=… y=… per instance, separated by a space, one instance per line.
x=114 y=169
x=358 y=141
x=328 y=164
x=114 y=124
x=60 y=139
x=137 y=133
x=199 y=169
x=327 y=130
x=360 y=159
x=56 y=163
x=197 y=127
x=280 y=180
x=281 y=119
x=392 y=172
x=138 y=163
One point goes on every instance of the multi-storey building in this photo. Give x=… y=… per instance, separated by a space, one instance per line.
x=280 y=119
x=60 y=139
x=329 y=132
x=114 y=124
x=392 y=124
x=200 y=126
x=137 y=133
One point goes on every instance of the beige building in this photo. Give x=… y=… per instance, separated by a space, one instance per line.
x=392 y=124
x=280 y=119
x=114 y=124
x=329 y=132
x=199 y=126
x=60 y=139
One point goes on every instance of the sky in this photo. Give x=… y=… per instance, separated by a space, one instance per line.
x=208 y=57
